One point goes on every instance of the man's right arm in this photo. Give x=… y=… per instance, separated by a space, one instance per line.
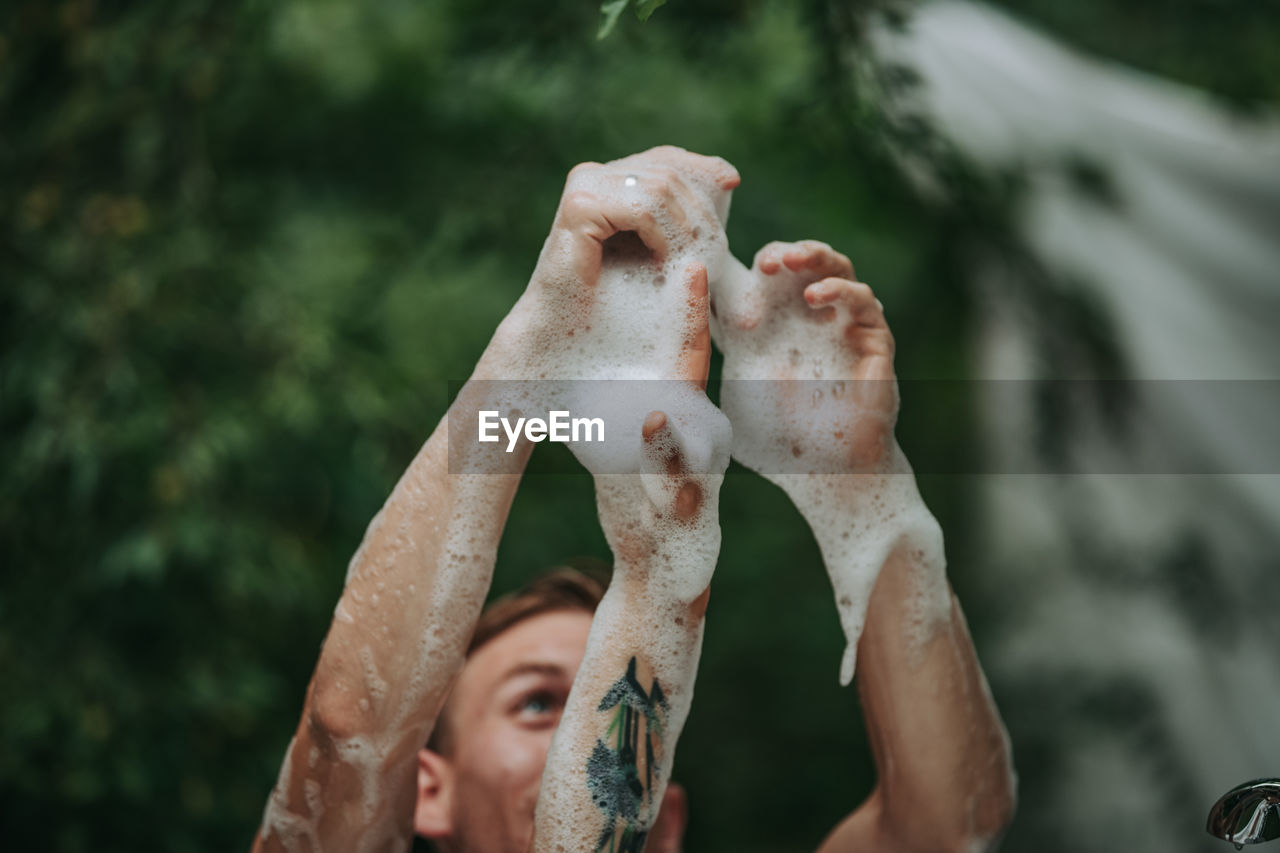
x=417 y=583
x=398 y=637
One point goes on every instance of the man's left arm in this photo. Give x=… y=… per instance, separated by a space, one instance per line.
x=811 y=392
x=945 y=775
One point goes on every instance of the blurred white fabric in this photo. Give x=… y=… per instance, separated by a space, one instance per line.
x=1187 y=266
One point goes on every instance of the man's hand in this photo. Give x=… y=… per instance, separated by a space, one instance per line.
x=666 y=518
x=799 y=315
x=661 y=194
x=663 y=208
x=679 y=449
x=813 y=400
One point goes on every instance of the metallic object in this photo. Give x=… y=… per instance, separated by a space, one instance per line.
x=1247 y=814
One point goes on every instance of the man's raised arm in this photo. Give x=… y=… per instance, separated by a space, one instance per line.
x=945 y=780
x=811 y=393
x=417 y=583
x=398 y=637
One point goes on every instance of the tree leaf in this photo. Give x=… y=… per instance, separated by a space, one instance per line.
x=611 y=10
x=645 y=8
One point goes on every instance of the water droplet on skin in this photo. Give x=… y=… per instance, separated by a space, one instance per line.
x=817 y=397
x=838 y=390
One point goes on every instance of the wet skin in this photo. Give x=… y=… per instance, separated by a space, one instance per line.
x=502 y=713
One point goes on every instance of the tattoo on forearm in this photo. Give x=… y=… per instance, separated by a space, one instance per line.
x=620 y=773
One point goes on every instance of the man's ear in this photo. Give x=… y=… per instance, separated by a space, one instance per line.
x=433 y=809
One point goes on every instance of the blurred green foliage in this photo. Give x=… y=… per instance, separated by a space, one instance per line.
x=244 y=246
x=611 y=10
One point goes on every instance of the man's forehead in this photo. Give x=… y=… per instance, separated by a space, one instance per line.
x=549 y=643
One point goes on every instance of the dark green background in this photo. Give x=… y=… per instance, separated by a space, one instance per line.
x=244 y=246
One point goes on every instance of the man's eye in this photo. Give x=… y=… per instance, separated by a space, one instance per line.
x=536 y=704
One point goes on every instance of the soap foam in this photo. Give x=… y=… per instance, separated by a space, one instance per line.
x=631 y=326
x=623 y=327
x=390 y=693
x=856 y=537
x=791 y=361
x=633 y=338
x=567 y=819
x=628 y=328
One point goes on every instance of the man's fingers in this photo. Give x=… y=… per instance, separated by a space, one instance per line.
x=599 y=202
x=855 y=296
x=699 y=216
x=817 y=258
x=868 y=333
x=769 y=258
x=670 y=460
x=647 y=198
x=714 y=170
x=599 y=215
x=688 y=500
x=584 y=168
x=653 y=424
x=814 y=258
x=668 y=196
x=695 y=355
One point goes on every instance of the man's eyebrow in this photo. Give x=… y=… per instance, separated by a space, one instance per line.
x=534 y=668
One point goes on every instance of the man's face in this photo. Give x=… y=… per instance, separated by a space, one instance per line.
x=502 y=713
